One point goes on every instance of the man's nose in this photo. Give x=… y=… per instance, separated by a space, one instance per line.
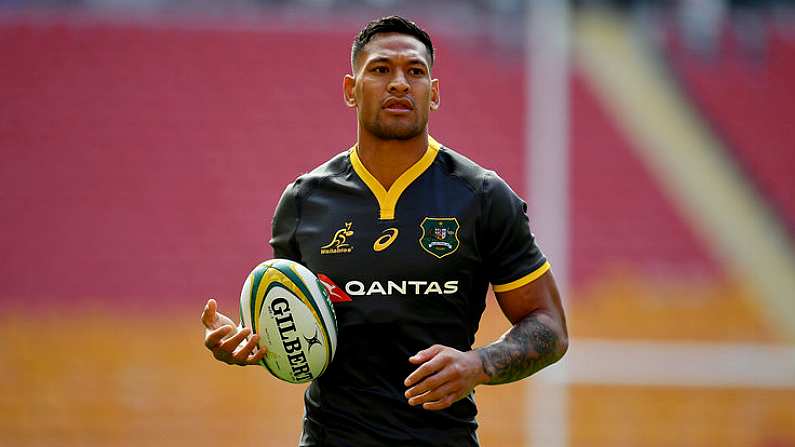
x=399 y=84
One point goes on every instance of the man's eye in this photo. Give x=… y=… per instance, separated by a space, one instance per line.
x=380 y=69
x=417 y=71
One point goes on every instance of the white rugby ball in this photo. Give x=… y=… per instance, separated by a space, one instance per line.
x=289 y=308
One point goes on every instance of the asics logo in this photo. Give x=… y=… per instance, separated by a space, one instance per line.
x=382 y=243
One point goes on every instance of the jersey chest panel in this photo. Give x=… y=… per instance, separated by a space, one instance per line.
x=422 y=266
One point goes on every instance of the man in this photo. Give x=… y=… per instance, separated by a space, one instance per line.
x=407 y=234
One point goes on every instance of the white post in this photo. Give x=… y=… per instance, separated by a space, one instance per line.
x=547 y=165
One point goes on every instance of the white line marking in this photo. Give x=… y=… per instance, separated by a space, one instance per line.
x=608 y=362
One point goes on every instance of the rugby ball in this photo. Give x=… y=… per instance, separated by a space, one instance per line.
x=289 y=308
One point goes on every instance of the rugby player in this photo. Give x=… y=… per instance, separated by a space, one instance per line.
x=407 y=234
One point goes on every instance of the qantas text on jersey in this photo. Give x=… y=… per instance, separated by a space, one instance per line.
x=358 y=288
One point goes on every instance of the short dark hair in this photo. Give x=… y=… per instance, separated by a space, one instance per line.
x=390 y=24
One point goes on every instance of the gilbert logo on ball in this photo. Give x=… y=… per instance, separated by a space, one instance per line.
x=289 y=308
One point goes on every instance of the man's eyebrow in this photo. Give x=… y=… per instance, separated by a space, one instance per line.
x=418 y=61
x=384 y=59
x=378 y=59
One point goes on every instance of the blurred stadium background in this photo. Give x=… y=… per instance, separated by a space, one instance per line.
x=145 y=142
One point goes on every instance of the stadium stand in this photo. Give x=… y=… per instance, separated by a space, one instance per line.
x=621 y=217
x=159 y=153
x=749 y=99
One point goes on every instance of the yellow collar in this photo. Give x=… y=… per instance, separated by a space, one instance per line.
x=387 y=200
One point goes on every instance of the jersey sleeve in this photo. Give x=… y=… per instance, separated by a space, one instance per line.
x=285 y=223
x=512 y=258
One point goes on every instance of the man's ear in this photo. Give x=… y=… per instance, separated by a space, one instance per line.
x=348 y=85
x=435 y=98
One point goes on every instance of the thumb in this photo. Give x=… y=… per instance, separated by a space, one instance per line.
x=426 y=354
x=209 y=315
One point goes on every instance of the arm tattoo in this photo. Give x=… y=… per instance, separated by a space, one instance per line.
x=528 y=347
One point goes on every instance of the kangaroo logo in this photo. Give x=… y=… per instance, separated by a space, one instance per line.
x=339 y=243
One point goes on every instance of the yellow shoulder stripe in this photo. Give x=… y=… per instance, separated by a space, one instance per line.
x=526 y=279
x=387 y=200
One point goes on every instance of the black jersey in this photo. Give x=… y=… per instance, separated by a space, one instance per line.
x=409 y=268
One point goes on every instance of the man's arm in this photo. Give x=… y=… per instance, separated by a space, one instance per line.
x=537 y=339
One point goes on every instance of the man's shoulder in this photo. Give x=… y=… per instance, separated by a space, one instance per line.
x=460 y=166
x=336 y=165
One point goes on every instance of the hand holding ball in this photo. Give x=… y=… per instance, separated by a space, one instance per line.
x=289 y=308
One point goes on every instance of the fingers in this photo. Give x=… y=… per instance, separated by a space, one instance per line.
x=430 y=361
x=257 y=357
x=426 y=354
x=442 y=403
x=232 y=350
x=208 y=314
x=244 y=352
x=248 y=354
x=444 y=376
x=439 y=398
x=213 y=339
x=429 y=384
x=230 y=344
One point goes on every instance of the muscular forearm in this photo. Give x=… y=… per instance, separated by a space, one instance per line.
x=530 y=345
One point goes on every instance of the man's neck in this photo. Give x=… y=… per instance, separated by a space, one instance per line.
x=387 y=160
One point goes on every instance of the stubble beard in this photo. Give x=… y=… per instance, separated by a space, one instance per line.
x=398 y=131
